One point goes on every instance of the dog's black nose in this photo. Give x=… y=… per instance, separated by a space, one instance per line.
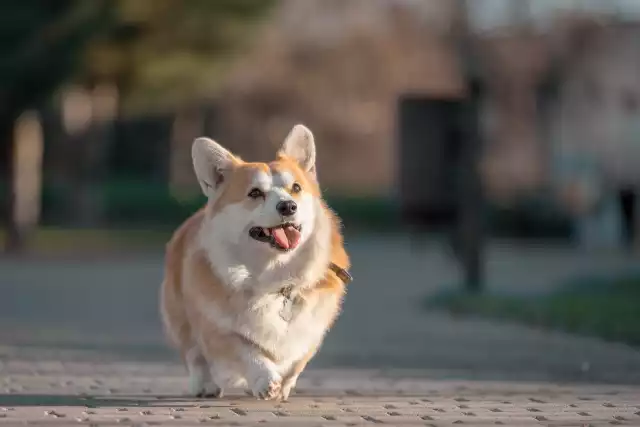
x=286 y=207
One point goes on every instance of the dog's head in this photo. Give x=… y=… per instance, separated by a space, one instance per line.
x=261 y=206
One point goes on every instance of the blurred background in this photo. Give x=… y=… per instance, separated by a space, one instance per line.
x=484 y=156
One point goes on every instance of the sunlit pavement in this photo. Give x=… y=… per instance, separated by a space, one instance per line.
x=80 y=336
x=68 y=392
x=110 y=304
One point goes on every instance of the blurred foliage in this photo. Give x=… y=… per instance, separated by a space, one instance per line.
x=135 y=203
x=163 y=52
x=157 y=50
x=62 y=241
x=40 y=44
x=606 y=309
x=131 y=204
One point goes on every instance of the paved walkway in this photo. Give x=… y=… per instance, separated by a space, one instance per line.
x=80 y=342
x=111 y=305
x=67 y=390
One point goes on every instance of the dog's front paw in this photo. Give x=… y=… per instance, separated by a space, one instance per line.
x=285 y=390
x=267 y=387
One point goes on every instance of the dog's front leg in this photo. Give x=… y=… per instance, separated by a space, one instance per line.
x=291 y=378
x=260 y=370
x=262 y=377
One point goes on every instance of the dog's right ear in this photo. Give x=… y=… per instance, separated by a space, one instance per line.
x=212 y=164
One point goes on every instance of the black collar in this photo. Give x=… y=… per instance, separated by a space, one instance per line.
x=341 y=273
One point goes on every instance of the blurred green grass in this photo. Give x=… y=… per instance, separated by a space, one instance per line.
x=66 y=241
x=605 y=309
x=140 y=214
x=134 y=203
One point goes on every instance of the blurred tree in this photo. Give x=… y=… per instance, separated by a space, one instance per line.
x=39 y=46
x=164 y=52
x=156 y=52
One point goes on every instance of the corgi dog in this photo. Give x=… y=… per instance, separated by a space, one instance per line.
x=254 y=280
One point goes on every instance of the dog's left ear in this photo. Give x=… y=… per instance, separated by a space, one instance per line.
x=300 y=145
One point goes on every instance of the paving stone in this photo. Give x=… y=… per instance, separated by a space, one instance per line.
x=111 y=393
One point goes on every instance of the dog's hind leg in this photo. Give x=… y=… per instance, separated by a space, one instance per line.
x=201 y=383
x=178 y=329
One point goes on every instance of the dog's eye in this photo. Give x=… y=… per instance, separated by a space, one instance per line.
x=295 y=188
x=256 y=193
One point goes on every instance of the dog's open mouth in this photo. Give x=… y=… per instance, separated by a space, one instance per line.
x=284 y=237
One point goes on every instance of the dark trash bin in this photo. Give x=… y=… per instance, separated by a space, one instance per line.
x=439 y=184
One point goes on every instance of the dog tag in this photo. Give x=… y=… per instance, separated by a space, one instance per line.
x=286 y=312
x=290 y=304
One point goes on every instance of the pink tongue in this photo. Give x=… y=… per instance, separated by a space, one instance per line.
x=286 y=237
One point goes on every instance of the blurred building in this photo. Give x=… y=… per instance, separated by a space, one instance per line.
x=563 y=88
x=559 y=109
x=340 y=66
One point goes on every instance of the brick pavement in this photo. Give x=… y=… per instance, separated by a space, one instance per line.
x=115 y=369
x=111 y=304
x=86 y=392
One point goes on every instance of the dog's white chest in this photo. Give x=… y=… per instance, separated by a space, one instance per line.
x=288 y=325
